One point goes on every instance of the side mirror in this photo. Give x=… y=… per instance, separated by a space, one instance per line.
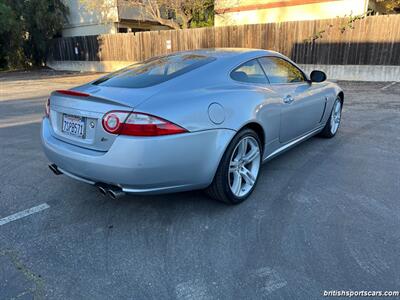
x=317 y=76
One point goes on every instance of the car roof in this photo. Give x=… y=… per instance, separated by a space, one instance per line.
x=233 y=57
x=228 y=52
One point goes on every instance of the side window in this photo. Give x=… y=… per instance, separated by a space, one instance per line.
x=281 y=71
x=250 y=72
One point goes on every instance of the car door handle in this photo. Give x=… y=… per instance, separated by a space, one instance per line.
x=288 y=99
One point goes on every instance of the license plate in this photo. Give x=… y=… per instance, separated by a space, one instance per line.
x=73 y=125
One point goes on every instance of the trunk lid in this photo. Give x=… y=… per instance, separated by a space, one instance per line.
x=78 y=120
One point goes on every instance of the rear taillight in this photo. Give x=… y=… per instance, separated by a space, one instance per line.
x=113 y=120
x=138 y=124
x=47 y=108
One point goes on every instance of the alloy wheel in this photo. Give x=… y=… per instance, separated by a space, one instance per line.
x=244 y=166
x=336 y=116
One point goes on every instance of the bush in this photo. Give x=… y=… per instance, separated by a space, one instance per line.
x=26 y=29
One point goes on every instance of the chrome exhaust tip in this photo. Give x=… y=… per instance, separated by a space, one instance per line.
x=54 y=169
x=102 y=189
x=115 y=193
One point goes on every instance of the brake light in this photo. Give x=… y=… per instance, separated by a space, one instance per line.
x=138 y=124
x=113 y=120
x=72 y=93
x=47 y=108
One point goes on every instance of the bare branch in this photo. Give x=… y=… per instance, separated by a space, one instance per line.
x=159 y=11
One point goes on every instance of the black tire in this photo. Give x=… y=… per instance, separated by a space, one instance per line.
x=219 y=188
x=327 y=131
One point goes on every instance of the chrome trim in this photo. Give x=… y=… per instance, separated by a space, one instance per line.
x=292 y=143
x=151 y=190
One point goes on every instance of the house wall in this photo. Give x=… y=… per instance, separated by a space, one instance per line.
x=111 y=17
x=84 y=22
x=83 y=30
x=240 y=12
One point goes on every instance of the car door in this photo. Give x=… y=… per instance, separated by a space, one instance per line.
x=266 y=104
x=303 y=104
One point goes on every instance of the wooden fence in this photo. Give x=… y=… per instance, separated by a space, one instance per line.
x=373 y=40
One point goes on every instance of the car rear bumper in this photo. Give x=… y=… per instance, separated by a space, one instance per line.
x=143 y=164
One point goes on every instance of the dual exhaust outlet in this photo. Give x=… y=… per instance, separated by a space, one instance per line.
x=114 y=192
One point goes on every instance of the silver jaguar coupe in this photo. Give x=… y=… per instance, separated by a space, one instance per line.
x=204 y=119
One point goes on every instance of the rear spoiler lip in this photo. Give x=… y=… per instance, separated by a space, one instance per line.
x=82 y=96
x=72 y=93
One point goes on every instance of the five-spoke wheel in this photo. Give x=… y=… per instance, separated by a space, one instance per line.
x=244 y=166
x=336 y=116
x=238 y=171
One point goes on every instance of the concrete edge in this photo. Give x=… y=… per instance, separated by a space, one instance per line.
x=88 y=66
x=334 y=72
x=357 y=72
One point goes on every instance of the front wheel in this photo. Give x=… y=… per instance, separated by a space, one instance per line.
x=238 y=170
x=332 y=126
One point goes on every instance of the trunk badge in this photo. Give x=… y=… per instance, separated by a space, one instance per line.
x=92 y=124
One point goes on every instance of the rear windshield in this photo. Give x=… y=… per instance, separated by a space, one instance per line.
x=154 y=71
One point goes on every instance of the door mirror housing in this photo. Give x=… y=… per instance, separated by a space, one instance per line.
x=317 y=76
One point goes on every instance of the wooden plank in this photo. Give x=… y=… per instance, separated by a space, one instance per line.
x=374 y=40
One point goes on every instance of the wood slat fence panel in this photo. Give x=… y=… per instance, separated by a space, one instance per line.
x=374 y=40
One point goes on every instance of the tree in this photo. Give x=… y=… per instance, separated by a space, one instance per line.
x=175 y=14
x=9 y=36
x=44 y=20
x=26 y=29
x=385 y=6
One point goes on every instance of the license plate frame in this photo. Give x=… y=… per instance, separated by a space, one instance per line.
x=74 y=126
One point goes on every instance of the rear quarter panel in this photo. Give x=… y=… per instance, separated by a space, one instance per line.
x=242 y=104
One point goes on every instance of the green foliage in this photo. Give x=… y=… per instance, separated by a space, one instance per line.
x=26 y=29
x=9 y=36
x=204 y=17
x=388 y=6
